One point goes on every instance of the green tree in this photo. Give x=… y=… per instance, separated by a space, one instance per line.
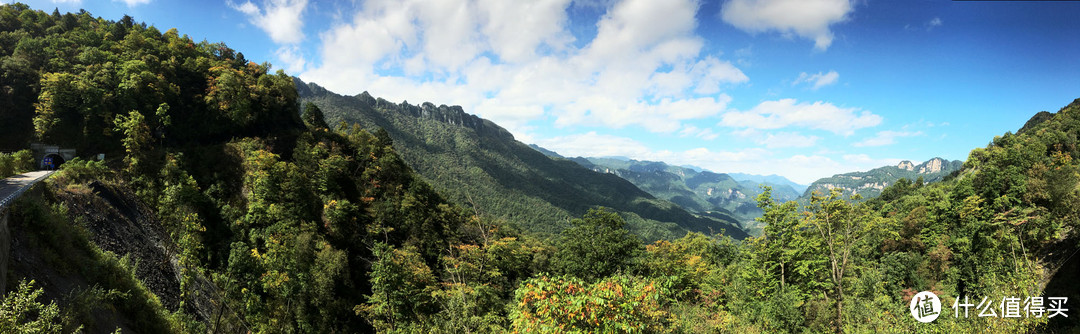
x=401 y=286
x=596 y=246
x=136 y=139
x=779 y=234
x=841 y=226
x=313 y=116
x=58 y=109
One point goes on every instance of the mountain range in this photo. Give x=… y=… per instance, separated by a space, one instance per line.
x=699 y=191
x=769 y=179
x=480 y=165
x=870 y=183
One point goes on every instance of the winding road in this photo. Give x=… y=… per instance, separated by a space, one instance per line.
x=12 y=187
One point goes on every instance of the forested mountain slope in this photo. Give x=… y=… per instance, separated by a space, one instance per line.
x=219 y=209
x=480 y=165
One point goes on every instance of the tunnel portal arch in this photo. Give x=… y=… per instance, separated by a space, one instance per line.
x=52 y=161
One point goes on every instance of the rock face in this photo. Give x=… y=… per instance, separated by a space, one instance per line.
x=932 y=166
x=452 y=115
x=906 y=165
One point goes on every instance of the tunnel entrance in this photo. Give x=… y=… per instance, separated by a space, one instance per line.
x=50 y=157
x=52 y=161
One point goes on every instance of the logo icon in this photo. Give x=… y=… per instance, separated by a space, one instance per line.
x=925 y=307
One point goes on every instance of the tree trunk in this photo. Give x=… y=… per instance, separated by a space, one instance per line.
x=782 y=274
x=839 y=309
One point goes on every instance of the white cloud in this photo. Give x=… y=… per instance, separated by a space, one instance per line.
x=693 y=131
x=747 y=133
x=592 y=144
x=291 y=58
x=928 y=25
x=817 y=80
x=887 y=137
x=281 y=19
x=129 y=3
x=934 y=23
x=867 y=162
x=807 y=169
x=516 y=28
x=599 y=145
x=788 y=112
x=645 y=67
x=799 y=168
x=776 y=140
x=806 y=18
x=788 y=139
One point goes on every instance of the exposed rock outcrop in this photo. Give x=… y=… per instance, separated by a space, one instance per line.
x=906 y=165
x=932 y=166
x=871 y=183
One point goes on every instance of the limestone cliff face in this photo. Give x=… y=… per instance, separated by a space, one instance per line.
x=453 y=115
x=906 y=165
x=932 y=166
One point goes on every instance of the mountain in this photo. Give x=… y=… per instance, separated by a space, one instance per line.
x=869 y=184
x=480 y=165
x=699 y=191
x=1034 y=121
x=770 y=180
x=547 y=152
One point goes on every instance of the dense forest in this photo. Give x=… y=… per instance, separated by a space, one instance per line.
x=271 y=220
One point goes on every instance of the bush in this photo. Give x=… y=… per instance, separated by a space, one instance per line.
x=7 y=165
x=15 y=163
x=78 y=170
x=24 y=161
x=21 y=312
x=615 y=304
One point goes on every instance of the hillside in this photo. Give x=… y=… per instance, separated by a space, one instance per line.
x=480 y=165
x=869 y=184
x=698 y=191
x=218 y=210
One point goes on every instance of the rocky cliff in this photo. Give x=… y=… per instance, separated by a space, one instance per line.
x=452 y=115
x=870 y=183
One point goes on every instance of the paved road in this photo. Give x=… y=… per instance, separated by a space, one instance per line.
x=12 y=187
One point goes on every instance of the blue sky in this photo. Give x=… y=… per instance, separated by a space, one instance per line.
x=800 y=88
